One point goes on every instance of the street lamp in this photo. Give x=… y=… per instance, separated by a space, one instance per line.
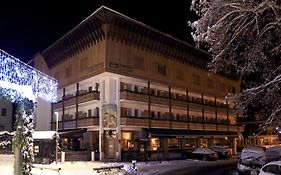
x=57 y=130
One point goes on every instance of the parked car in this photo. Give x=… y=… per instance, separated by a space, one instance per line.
x=271 y=168
x=204 y=153
x=222 y=151
x=251 y=160
x=273 y=153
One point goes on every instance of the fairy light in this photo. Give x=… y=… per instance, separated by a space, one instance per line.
x=14 y=71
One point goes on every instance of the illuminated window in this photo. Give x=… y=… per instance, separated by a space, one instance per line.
x=173 y=143
x=154 y=144
x=126 y=140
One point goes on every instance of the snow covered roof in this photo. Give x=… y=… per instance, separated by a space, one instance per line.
x=6 y=132
x=44 y=135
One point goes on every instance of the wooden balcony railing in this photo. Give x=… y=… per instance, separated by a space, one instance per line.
x=133 y=96
x=81 y=122
x=144 y=122
x=165 y=124
x=91 y=121
x=82 y=98
x=135 y=121
x=160 y=123
x=193 y=102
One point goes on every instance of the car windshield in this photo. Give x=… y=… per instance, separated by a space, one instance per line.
x=203 y=151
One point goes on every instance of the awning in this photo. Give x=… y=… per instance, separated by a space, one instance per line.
x=175 y=132
x=71 y=132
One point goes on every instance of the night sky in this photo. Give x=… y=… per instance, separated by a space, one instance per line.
x=28 y=27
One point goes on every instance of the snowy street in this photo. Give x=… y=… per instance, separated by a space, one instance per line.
x=86 y=168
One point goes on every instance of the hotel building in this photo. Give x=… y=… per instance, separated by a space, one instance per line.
x=129 y=91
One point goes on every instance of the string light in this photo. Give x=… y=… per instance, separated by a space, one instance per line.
x=14 y=71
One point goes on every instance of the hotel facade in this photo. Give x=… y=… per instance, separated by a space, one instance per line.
x=128 y=91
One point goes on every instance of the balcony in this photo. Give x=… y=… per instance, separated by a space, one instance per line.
x=81 y=123
x=71 y=100
x=165 y=124
x=194 y=103
x=160 y=123
x=135 y=121
x=89 y=121
x=133 y=96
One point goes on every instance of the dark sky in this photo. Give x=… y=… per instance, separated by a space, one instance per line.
x=28 y=27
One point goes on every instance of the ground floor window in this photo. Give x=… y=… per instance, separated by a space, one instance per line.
x=127 y=142
x=154 y=144
x=190 y=143
x=173 y=143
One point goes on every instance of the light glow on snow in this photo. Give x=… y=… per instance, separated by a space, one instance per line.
x=14 y=71
x=25 y=91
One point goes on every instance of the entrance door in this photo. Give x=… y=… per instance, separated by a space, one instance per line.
x=110 y=150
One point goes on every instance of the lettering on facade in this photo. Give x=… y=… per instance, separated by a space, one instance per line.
x=95 y=67
x=120 y=67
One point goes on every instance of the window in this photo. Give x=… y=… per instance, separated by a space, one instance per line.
x=96 y=86
x=136 y=88
x=196 y=79
x=84 y=64
x=180 y=74
x=274 y=169
x=2 y=128
x=154 y=144
x=89 y=113
x=161 y=69
x=173 y=143
x=152 y=114
x=129 y=112
x=128 y=87
x=90 y=89
x=159 y=115
x=210 y=84
x=4 y=112
x=138 y=63
x=68 y=72
x=222 y=87
x=136 y=112
x=97 y=111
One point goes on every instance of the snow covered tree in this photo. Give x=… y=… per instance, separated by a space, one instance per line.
x=244 y=37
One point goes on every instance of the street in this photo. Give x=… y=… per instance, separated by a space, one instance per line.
x=220 y=167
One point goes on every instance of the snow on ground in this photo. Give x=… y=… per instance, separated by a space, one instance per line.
x=6 y=164
x=86 y=168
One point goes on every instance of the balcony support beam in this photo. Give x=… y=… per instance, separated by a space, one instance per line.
x=76 y=104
